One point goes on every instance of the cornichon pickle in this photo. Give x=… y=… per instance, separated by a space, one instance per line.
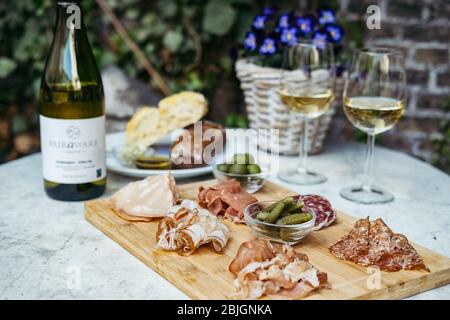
x=286 y=235
x=262 y=215
x=270 y=208
x=284 y=213
x=296 y=218
x=294 y=207
x=274 y=215
x=287 y=201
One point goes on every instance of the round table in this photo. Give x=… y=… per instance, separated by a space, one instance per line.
x=50 y=252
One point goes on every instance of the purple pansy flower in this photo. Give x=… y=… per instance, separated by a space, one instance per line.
x=268 y=47
x=326 y=16
x=250 y=41
x=259 y=22
x=335 y=32
x=289 y=36
x=284 y=21
x=269 y=11
x=304 y=25
x=320 y=40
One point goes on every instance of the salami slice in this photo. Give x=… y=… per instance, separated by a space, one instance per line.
x=373 y=243
x=325 y=214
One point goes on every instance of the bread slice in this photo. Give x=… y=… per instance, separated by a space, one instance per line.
x=142 y=127
x=150 y=124
x=181 y=109
x=142 y=131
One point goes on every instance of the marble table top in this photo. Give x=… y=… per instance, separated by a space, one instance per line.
x=48 y=250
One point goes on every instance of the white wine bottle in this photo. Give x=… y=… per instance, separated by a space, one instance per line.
x=72 y=112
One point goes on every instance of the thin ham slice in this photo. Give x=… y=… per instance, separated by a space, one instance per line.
x=275 y=270
x=226 y=198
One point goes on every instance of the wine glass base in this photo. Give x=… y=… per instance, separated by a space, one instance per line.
x=302 y=178
x=372 y=196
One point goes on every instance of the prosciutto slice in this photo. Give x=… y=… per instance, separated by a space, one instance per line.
x=188 y=227
x=264 y=268
x=372 y=243
x=227 y=199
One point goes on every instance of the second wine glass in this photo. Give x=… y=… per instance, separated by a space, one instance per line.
x=374 y=101
x=306 y=88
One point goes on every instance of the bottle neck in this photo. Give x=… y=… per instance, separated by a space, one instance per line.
x=70 y=32
x=69 y=17
x=70 y=60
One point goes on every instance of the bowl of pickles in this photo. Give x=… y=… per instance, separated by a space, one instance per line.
x=286 y=220
x=243 y=168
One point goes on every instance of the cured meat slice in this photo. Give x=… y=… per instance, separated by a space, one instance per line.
x=188 y=227
x=189 y=149
x=372 y=243
x=252 y=251
x=264 y=268
x=145 y=199
x=226 y=198
x=325 y=215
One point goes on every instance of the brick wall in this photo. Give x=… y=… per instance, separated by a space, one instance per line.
x=421 y=30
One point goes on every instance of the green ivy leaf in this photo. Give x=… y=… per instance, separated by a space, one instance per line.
x=168 y=9
x=132 y=14
x=172 y=40
x=7 y=66
x=219 y=17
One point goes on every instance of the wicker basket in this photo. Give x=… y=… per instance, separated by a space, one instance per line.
x=266 y=111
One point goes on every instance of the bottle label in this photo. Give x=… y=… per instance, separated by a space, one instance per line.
x=73 y=151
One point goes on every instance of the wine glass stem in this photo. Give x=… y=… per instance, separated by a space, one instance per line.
x=303 y=147
x=368 y=169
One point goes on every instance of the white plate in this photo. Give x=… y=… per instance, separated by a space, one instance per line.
x=115 y=141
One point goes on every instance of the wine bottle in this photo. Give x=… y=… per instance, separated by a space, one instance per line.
x=72 y=112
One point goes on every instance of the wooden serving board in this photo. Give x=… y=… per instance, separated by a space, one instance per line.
x=205 y=275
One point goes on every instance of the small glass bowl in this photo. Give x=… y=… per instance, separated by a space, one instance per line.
x=249 y=182
x=289 y=234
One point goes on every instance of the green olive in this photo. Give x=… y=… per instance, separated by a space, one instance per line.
x=243 y=158
x=237 y=169
x=253 y=169
x=223 y=167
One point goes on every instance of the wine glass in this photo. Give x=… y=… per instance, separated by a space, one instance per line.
x=374 y=100
x=306 y=88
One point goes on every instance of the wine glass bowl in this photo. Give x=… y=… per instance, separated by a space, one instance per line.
x=306 y=88
x=373 y=115
x=374 y=101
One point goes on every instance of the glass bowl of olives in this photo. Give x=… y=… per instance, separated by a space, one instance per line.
x=286 y=221
x=243 y=168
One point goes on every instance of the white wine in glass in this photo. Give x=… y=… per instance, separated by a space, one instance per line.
x=307 y=89
x=373 y=115
x=374 y=101
x=310 y=105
